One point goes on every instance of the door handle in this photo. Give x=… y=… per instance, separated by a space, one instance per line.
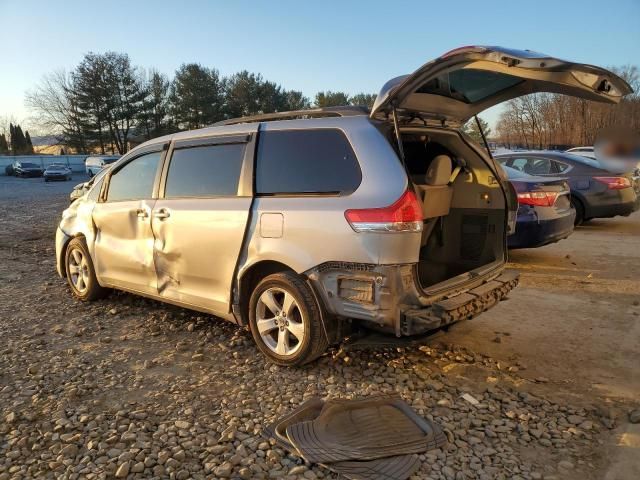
x=162 y=214
x=142 y=213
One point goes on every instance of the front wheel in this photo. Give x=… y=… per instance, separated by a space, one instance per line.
x=285 y=320
x=81 y=274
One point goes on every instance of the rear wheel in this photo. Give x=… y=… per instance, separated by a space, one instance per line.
x=577 y=204
x=81 y=274
x=285 y=320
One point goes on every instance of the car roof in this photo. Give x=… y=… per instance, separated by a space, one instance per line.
x=292 y=120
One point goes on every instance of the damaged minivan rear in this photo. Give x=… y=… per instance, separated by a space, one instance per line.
x=300 y=225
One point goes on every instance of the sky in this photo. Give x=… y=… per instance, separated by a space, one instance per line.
x=351 y=46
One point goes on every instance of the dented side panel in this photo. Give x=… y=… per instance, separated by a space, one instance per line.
x=196 y=249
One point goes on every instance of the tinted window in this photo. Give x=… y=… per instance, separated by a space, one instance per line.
x=206 y=171
x=560 y=167
x=306 y=161
x=135 y=180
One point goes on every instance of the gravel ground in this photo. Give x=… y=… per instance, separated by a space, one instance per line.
x=131 y=388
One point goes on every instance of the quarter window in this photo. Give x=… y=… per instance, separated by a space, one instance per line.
x=306 y=161
x=135 y=180
x=207 y=171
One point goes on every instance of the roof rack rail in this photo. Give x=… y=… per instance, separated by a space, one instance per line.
x=345 y=111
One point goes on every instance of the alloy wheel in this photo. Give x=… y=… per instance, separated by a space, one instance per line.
x=280 y=321
x=79 y=270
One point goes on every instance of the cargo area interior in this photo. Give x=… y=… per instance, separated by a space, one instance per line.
x=463 y=206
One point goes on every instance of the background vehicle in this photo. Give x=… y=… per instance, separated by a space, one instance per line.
x=545 y=214
x=595 y=192
x=298 y=223
x=57 y=171
x=588 y=152
x=24 y=169
x=96 y=163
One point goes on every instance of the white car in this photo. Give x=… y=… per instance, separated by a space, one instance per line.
x=96 y=163
x=588 y=152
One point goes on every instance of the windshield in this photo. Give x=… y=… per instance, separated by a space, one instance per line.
x=109 y=160
x=592 y=162
x=29 y=165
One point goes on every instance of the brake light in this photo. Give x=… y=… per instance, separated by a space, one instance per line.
x=538 y=199
x=405 y=215
x=614 y=183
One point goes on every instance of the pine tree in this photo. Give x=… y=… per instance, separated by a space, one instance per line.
x=28 y=143
x=4 y=146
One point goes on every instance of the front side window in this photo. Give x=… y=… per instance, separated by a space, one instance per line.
x=205 y=171
x=135 y=180
x=306 y=162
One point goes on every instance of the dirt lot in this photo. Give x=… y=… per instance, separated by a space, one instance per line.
x=130 y=387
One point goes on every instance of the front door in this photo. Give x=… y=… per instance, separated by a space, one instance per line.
x=200 y=218
x=123 y=247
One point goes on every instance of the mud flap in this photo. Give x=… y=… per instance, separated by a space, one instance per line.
x=460 y=307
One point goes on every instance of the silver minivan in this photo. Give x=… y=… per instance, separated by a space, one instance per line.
x=303 y=225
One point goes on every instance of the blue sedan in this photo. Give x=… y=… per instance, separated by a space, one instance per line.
x=545 y=214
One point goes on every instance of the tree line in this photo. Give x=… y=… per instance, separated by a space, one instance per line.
x=106 y=102
x=17 y=143
x=543 y=120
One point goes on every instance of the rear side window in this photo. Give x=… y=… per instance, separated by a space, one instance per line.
x=306 y=161
x=135 y=180
x=207 y=171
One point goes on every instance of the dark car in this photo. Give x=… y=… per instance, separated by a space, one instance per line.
x=57 y=171
x=545 y=213
x=595 y=191
x=26 y=169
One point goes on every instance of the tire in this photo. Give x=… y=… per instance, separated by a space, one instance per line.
x=78 y=265
x=577 y=204
x=303 y=317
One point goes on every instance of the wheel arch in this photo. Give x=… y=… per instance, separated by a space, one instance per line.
x=63 y=253
x=249 y=279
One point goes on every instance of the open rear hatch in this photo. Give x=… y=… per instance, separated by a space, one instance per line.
x=468 y=80
x=460 y=270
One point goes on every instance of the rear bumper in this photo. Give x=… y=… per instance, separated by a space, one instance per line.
x=536 y=233
x=56 y=177
x=386 y=297
x=612 y=203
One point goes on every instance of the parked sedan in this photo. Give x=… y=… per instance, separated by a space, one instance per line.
x=545 y=214
x=595 y=192
x=57 y=171
x=26 y=169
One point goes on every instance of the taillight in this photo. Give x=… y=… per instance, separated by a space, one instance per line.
x=405 y=215
x=614 y=183
x=538 y=199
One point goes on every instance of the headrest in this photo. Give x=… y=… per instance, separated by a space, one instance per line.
x=439 y=170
